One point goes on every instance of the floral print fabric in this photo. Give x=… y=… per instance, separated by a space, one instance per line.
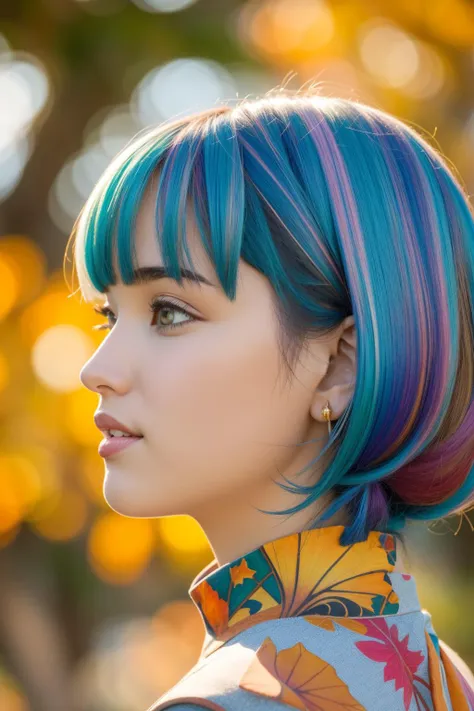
x=307 y=623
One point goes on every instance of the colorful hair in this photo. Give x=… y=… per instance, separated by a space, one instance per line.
x=346 y=210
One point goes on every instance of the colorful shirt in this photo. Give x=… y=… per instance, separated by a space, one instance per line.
x=304 y=622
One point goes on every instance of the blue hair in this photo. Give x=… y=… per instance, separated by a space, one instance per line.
x=346 y=210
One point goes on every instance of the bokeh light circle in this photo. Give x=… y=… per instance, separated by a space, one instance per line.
x=180 y=87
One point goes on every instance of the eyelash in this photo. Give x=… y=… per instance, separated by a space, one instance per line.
x=155 y=307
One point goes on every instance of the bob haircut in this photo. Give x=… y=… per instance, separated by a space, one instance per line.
x=346 y=210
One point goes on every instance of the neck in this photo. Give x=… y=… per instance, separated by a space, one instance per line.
x=234 y=526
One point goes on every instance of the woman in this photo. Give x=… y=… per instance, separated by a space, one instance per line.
x=318 y=257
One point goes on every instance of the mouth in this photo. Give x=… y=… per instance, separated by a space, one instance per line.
x=113 y=445
x=112 y=427
x=117 y=434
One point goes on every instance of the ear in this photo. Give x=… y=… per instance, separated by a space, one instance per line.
x=338 y=383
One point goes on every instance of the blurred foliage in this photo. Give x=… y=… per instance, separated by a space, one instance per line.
x=91 y=602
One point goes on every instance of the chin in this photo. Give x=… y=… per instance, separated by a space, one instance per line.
x=122 y=501
x=126 y=501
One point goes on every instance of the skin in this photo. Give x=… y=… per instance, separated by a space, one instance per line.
x=218 y=419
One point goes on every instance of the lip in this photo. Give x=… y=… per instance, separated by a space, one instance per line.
x=105 y=422
x=112 y=445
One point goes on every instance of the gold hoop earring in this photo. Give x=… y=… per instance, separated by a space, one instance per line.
x=326 y=413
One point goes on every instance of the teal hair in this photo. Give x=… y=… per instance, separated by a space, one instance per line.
x=346 y=210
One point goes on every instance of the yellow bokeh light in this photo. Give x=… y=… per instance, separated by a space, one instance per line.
x=92 y=473
x=182 y=534
x=388 y=53
x=430 y=77
x=27 y=264
x=57 y=307
x=453 y=21
x=302 y=25
x=4 y=371
x=66 y=519
x=20 y=489
x=120 y=547
x=80 y=406
x=10 y=287
x=46 y=311
x=58 y=356
x=47 y=490
x=293 y=30
x=11 y=508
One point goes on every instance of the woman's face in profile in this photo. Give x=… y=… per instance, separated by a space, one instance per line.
x=218 y=416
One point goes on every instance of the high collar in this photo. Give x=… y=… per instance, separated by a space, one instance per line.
x=302 y=574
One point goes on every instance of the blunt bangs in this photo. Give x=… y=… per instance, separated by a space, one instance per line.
x=185 y=158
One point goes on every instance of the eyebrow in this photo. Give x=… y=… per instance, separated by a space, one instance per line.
x=144 y=275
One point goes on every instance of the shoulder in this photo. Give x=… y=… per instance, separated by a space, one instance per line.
x=320 y=661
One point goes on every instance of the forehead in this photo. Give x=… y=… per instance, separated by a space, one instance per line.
x=147 y=243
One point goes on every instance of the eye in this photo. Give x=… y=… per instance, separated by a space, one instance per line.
x=157 y=306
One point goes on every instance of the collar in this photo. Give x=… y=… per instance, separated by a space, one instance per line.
x=302 y=574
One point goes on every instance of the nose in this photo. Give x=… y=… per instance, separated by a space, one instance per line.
x=101 y=373
x=93 y=377
x=87 y=377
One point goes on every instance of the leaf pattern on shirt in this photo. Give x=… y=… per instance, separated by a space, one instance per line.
x=306 y=573
x=401 y=663
x=332 y=579
x=214 y=609
x=241 y=572
x=329 y=623
x=297 y=677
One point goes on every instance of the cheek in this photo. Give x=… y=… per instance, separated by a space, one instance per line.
x=217 y=399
